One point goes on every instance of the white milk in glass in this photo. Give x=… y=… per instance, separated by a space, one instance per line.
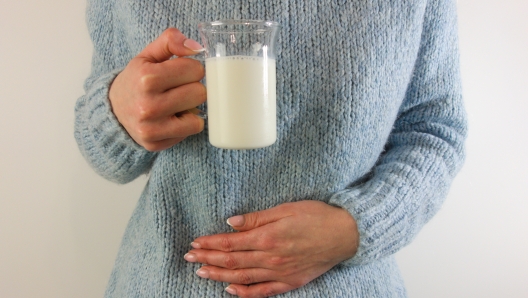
x=241 y=102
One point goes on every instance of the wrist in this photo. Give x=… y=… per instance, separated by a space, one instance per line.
x=349 y=234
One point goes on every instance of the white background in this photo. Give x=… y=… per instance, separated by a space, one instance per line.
x=60 y=224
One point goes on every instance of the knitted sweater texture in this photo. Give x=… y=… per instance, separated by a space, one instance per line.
x=370 y=118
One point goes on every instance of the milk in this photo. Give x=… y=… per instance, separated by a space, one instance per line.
x=241 y=103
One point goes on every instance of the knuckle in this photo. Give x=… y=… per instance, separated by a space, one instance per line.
x=147 y=81
x=250 y=294
x=252 y=219
x=145 y=110
x=277 y=261
x=243 y=278
x=262 y=292
x=170 y=32
x=268 y=291
x=225 y=244
x=266 y=242
x=145 y=133
x=152 y=147
x=230 y=262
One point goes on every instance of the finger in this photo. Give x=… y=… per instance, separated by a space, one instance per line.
x=161 y=145
x=254 y=220
x=170 y=74
x=180 y=99
x=171 y=42
x=165 y=105
x=264 y=289
x=183 y=124
x=232 y=260
x=198 y=112
x=228 y=242
x=187 y=123
x=237 y=276
x=159 y=133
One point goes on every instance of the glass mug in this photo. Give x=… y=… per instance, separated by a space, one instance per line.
x=240 y=78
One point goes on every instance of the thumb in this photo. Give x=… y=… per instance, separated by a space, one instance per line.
x=257 y=219
x=170 y=43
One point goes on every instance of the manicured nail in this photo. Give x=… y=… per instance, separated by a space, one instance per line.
x=231 y=290
x=236 y=221
x=196 y=245
x=193 y=45
x=189 y=257
x=202 y=273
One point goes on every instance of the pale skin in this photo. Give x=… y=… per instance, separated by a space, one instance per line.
x=155 y=97
x=273 y=251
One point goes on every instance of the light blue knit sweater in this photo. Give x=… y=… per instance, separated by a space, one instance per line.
x=370 y=118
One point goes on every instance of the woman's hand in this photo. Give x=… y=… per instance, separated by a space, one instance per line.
x=278 y=249
x=155 y=97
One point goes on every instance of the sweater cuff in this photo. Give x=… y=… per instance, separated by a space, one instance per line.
x=103 y=141
x=101 y=121
x=378 y=234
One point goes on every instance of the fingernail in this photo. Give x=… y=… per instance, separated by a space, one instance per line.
x=236 y=221
x=202 y=273
x=202 y=115
x=231 y=290
x=193 y=45
x=189 y=257
x=196 y=245
x=199 y=113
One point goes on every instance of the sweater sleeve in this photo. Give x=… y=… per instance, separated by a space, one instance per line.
x=102 y=140
x=424 y=151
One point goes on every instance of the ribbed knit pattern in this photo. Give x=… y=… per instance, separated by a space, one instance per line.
x=370 y=118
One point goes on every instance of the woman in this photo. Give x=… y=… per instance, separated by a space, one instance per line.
x=371 y=128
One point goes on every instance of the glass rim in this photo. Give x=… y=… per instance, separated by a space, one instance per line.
x=223 y=25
